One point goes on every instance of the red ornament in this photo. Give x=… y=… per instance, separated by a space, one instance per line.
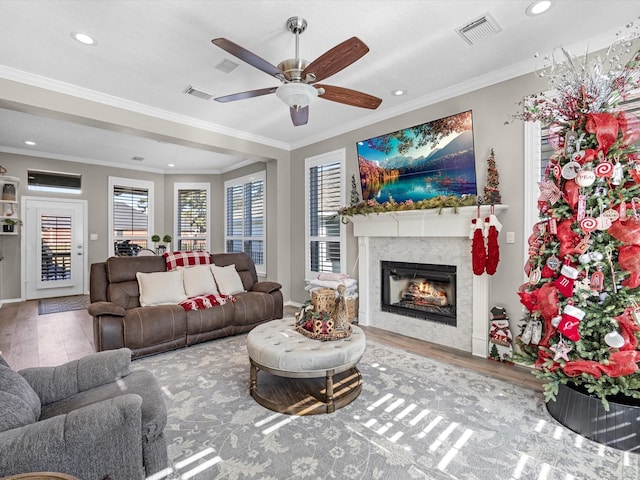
x=605 y=126
x=568 y=238
x=571 y=191
x=548 y=301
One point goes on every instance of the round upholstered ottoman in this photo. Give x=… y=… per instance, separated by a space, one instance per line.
x=303 y=376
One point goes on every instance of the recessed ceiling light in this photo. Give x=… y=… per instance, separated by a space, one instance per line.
x=538 y=7
x=83 y=38
x=31 y=143
x=398 y=93
x=171 y=165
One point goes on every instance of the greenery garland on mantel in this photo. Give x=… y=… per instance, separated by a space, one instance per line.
x=368 y=207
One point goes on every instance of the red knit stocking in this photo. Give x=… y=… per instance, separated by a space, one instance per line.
x=478 y=254
x=493 y=250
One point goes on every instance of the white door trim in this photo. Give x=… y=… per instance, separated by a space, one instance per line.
x=25 y=233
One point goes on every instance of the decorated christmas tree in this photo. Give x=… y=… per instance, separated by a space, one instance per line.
x=582 y=317
x=492 y=189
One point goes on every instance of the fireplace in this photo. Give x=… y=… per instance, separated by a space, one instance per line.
x=431 y=237
x=419 y=290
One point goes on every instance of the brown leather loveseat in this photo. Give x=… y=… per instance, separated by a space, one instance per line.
x=119 y=320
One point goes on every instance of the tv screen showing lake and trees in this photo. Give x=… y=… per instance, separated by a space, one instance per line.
x=429 y=160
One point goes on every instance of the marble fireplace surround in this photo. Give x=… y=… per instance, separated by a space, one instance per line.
x=424 y=236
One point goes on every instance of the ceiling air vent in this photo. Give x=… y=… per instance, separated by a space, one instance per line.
x=479 y=29
x=226 y=66
x=198 y=92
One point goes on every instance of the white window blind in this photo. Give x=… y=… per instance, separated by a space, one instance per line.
x=130 y=215
x=192 y=214
x=56 y=248
x=325 y=194
x=245 y=229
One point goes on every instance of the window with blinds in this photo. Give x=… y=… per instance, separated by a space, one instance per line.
x=325 y=194
x=55 y=249
x=245 y=228
x=130 y=212
x=192 y=215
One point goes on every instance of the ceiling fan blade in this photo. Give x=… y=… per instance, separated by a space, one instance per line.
x=349 y=97
x=248 y=57
x=339 y=57
x=243 y=95
x=299 y=116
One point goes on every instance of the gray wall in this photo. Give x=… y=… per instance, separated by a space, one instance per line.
x=95 y=191
x=492 y=107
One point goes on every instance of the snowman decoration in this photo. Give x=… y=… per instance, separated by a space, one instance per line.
x=500 y=338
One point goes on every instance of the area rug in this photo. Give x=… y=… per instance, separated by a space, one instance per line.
x=416 y=418
x=62 y=304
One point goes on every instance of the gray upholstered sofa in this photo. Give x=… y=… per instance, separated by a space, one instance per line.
x=120 y=321
x=92 y=418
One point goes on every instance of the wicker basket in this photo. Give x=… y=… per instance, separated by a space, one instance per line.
x=323 y=299
x=351 y=308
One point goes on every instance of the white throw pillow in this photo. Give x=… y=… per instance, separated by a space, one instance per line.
x=161 y=288
x=228 y=280
x=198 y=280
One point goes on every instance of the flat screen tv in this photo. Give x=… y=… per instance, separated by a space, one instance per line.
x=418 y=163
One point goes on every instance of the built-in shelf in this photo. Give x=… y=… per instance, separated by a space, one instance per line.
x=9 y=203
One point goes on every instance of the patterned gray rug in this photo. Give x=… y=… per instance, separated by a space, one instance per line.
x=62 y=304
x=416 y=418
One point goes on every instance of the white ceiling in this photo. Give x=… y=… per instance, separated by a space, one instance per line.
x=149 y=52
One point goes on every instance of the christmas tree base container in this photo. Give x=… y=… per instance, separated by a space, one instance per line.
x=584 y=414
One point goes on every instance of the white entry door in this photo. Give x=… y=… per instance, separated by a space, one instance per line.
x=54 y=237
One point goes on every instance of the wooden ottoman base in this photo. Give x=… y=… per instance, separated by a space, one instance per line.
x=304 y=393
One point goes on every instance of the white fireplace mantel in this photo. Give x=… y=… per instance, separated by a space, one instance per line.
x=445 y=224
x=420 y=223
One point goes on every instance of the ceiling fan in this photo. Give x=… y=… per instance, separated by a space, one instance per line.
x=299 y=77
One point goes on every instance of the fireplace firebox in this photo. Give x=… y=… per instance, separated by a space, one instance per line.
x=419 y=290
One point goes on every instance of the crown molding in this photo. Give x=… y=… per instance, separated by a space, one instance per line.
x=139 y=168
x=590 y=45
x=117 y=102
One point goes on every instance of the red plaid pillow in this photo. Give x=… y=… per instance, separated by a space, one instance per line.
x=186 y=259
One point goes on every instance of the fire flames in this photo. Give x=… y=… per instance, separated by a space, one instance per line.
x=424 y=293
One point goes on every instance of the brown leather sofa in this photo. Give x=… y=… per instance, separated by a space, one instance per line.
x=119 y=320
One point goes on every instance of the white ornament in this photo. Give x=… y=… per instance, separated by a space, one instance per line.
x=570 y=170
x=614 y=339
x=585 y=178
x=618 y=174
x=584 y=258
x=596 y=256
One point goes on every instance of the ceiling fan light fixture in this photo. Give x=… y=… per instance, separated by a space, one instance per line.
x=296 y=94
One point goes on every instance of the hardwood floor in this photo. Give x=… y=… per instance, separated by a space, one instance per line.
x=30 y=340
